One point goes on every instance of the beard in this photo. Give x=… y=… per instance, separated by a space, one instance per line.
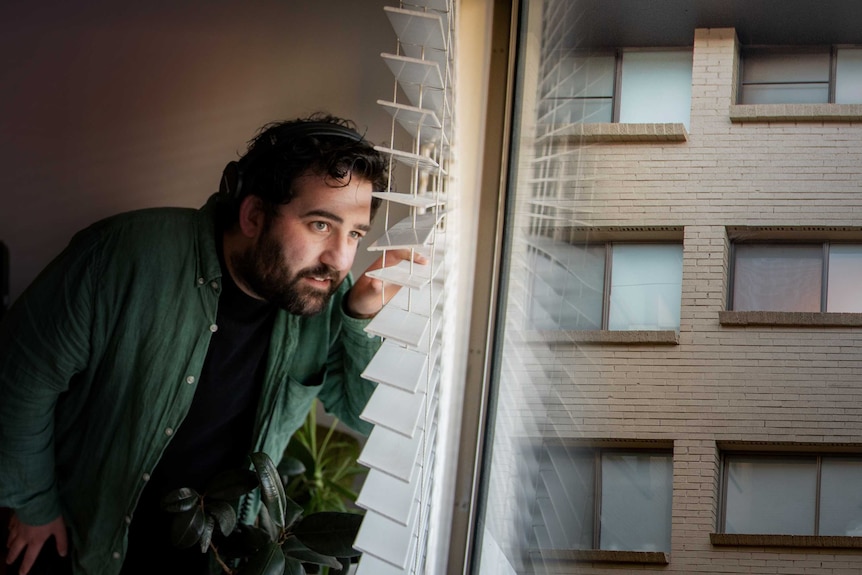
x=261 y=267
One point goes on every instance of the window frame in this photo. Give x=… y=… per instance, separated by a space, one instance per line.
x=535 y=251
x=817 y=457
x=617 y=75
x=596 y=454
x=824 y=269
x=832 y=50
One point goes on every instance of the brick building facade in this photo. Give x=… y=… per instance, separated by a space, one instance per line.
x=735 y=395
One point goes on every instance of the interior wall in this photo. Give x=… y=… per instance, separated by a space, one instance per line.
x=108 y=107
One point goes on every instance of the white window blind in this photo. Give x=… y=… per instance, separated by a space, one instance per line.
x=400 y=451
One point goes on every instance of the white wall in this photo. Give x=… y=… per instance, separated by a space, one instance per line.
x=108 y=107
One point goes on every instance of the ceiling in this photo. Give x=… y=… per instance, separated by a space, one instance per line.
x=650 y=23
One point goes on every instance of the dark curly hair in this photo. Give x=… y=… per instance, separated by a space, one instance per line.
x=282 y=151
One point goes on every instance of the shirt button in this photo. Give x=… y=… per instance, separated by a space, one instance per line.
x=214 y=285
x=213 y=328
x=169 y=431
x=190 y=379
x=128 y=519
x=201 y=281
x=145 y=476
x=115 y=554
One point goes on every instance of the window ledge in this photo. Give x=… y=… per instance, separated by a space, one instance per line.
x=669 y=337
x=604 y=556
x=616 y=132
x=741 y=113
x=790 y=318
x=821 y=541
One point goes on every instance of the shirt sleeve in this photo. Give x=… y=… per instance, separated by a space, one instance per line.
x=44 y=341
x=345 y=392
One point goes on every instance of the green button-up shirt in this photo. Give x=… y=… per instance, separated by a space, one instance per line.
x=100 y=358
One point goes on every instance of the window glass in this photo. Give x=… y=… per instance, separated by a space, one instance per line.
x=770 y=495
x=845 y=278
x=777 y=277
x=636 y=501
x=567 y=287
x=792 y=77
x=582 y=288
x=590 y=77
x=841 y=497
x=656 y=87
x=580 y=110
x=585 y=93
x=634 y=490
x=569 y=480
x=848 y=76
x=774 y=67
x=646 y=286
x=785 y=94
x=544 y=298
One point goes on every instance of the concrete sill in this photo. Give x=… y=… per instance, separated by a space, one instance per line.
x=603 y=556
x=789 y=318
x=742 y=113
x=807 y=541
x=617 y=132
x=635 y=337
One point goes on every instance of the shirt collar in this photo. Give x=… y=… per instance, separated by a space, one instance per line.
x=208 y=268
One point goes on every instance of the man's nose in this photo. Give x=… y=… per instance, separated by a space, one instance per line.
x=339 y=253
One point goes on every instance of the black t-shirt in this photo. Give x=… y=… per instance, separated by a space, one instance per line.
x=216 y=433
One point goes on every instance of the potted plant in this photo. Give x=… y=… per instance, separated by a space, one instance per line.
x=284 y=540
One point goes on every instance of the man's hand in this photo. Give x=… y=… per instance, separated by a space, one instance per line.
x=31 y=538
x=368 y=295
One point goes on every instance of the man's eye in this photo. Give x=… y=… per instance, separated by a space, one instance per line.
x=320 y=226
x=357 y=235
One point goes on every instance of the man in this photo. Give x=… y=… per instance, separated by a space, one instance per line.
x=164 y=345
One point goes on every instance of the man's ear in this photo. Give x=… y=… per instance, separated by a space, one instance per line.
x=251 y=216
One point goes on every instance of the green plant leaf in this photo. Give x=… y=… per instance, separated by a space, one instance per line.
x=207 y=535
x=266 y=523
x=180 y=500
x=329 y=532
x=269 y=560
x=231 y=484
x=187 y=527
x=290 y=466
x=298 y=448
x=223 y=513
x=293 y=566
x=271 y=488
x=292 y=512
x=293 y=547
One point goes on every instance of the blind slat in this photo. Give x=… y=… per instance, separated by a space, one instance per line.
x=418 y=28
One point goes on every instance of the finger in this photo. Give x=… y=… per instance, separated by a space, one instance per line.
x=15 y=546
x=29 y=558
x=62 y=541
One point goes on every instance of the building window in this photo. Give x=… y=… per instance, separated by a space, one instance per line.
x=630 y=86
x=792 y=495
x=801 y=76
x=608 y=499
x=613 y=286
x=822 y=277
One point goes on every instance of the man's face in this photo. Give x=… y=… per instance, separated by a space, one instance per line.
x=304 y=253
